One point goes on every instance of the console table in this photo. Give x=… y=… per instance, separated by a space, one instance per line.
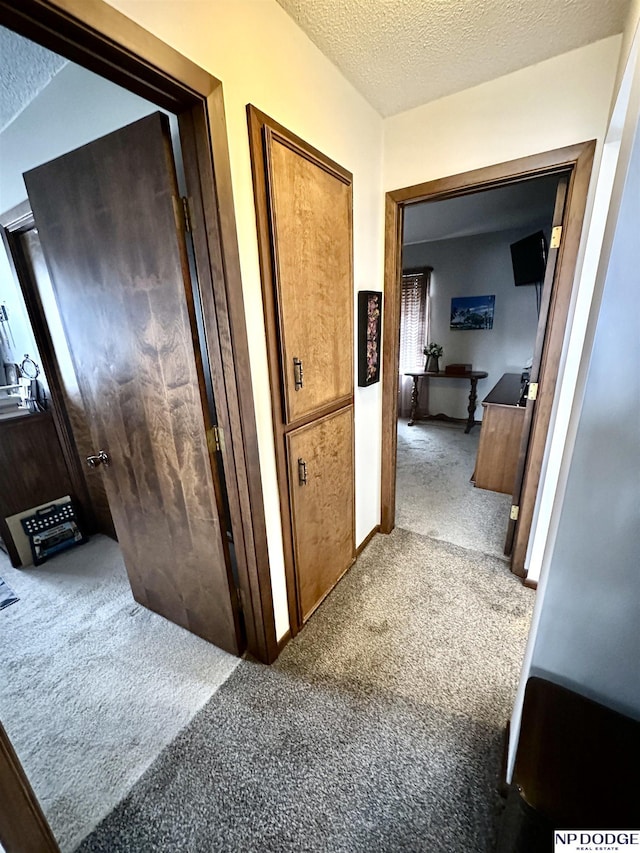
x=471 y=376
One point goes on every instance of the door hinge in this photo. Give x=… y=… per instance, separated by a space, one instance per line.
x=515 y=511
x=215 y=439
x=556 y=236
x=533 y=391
x=186 y=212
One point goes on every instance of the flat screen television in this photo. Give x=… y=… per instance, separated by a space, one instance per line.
x=529 y=259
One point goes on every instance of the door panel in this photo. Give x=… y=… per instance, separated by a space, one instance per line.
x=108 y=220
x=323 y=507
x=525 y=488
x=312 y=249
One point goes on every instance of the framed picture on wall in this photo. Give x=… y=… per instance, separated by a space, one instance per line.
x=472 y=312
x=369 y=328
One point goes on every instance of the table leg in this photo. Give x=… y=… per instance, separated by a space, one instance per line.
x=473 y=401
x=414 y=401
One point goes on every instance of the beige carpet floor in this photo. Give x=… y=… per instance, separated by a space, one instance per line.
x=400 y=686
x=434 y=495
x=93 y=686
x=378 y=730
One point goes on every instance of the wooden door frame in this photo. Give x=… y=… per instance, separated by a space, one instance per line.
x=103 y=40
x=575 y=160
x=259 y=124
x=23 y=825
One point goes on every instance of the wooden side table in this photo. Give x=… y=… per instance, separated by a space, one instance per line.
x=471 y=376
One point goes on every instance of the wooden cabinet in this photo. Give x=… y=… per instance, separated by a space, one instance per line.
x=32 y=469
x=321 y=483
x=304 y=215
x=499 y=447
x=311 y=232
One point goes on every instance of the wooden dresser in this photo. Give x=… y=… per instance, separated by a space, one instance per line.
x=499 y=446
x=32 y=469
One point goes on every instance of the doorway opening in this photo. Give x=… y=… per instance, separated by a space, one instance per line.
x=456 y=468
x=574 y=163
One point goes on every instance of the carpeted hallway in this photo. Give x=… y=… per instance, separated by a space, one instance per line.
x=378 y=729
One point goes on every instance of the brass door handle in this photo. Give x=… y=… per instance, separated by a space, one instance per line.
x=101 y=458
x=298 y=377
x=302 y=472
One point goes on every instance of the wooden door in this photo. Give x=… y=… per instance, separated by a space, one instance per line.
x=109 y=219
x=311 y=227
x=321 y=482
x=305 y=232
x=526 y=485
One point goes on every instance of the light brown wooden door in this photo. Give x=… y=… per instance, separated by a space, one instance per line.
x=526 y=484
x=304 y=217
x=109 y=220
x=321 y=482
x=311 y=225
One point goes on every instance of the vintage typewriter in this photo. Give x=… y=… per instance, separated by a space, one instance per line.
x=52 y=529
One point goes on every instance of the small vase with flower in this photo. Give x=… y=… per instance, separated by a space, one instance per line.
x=433 y=353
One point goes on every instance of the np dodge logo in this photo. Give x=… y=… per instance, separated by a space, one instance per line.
x=569 y=841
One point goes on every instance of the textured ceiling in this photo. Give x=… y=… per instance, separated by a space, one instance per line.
x=25 y=69
x=403 y=53
x=525 y=203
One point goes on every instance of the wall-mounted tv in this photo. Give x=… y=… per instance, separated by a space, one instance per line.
x=529 y=259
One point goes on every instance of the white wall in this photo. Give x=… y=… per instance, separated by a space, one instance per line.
x=628 y=36
x=591 y=639
x=477 y=265
x=558 y=102
x=263 y=58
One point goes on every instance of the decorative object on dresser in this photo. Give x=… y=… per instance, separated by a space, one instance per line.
x=433 y=353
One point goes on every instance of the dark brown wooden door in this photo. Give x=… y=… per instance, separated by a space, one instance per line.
x=311 y=234
x=322 y=505
x=109 y=220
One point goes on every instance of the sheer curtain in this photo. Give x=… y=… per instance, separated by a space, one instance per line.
x=414 y=329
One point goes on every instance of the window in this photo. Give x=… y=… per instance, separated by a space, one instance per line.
x=414 y=318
